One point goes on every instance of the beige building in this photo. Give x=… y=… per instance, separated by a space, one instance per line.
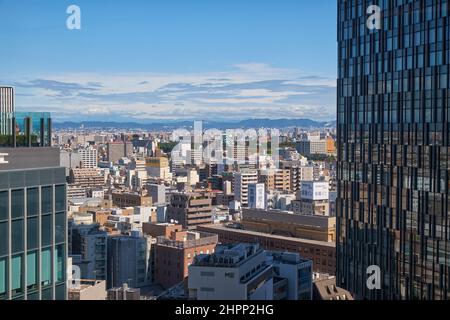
x=158 y=167
x=275 y=222
x=86 y=177
x=298 y=173
x=276 y=179
x=88 y=290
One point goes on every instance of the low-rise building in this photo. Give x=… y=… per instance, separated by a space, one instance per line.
x=233 y=272
x=322 y=253
x=88 y=290
x=174 y=254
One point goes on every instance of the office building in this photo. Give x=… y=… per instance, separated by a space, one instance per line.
x=157 y=193
x=298 y=173
x=298 y=273
x=320 y=228
x=129 y=261
x=393 y=149
x=158 y=167
x=127 y=199
x=276 y=179
x=118 y=150
x=175 y=252
x=232 y=272
x=88 y=249
x=6 y=109
x=312 y=199
x=256 y=196
x=313 y=145
x=89 y=157
x=86 y=177
x=33 y=219
x=190 y=209
x=322 y=253
x=123 y=293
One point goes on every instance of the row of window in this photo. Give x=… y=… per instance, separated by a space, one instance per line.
x=39 y=270
x=18 y=205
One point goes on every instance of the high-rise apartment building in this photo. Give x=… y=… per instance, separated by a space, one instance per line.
x=33 y=217
x=119 y=149
x=89 y=158
x=393 y=148
x=241 y=181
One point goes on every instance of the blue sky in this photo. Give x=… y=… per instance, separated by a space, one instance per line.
x=171 y=59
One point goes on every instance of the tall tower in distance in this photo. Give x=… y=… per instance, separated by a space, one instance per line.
x=394 y=156
x=6 y=108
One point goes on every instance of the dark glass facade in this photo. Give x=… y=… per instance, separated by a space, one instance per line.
x=393 y=149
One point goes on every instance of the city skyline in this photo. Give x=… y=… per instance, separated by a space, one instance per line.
x=165 y=61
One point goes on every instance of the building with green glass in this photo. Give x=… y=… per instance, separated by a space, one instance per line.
x=33 y=215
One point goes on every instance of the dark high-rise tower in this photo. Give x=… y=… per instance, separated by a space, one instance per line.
x=393 y=132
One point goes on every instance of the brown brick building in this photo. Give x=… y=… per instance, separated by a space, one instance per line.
x=122 y=200
x=322 y=253
x=174 y=254
x=320 y=228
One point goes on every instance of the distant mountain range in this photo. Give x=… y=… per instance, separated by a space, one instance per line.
x=161 y=124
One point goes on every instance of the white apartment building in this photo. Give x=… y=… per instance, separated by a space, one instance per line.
x=89 y=157
x=241 y=181
x=234 y=272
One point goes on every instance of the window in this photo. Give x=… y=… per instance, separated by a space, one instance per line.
x=32 y=233
x=17 y=207
x=46 y=267
x=59 y=263
x=60 y=227
x=46 y=229
x=4 y=236
x=17 y=236
x=229 y=275
x=17 y=275
x=46 y=200
x=207 y=289
x=32 y=270
x=32 y=202
x=3 y=277
x=4 y=205
x=60 y=198
x=207 y=274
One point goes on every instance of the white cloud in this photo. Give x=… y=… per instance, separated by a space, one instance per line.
x=248 y=91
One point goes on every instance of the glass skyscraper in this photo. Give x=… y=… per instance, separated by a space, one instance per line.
x=393 y=135
x=32 y=212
